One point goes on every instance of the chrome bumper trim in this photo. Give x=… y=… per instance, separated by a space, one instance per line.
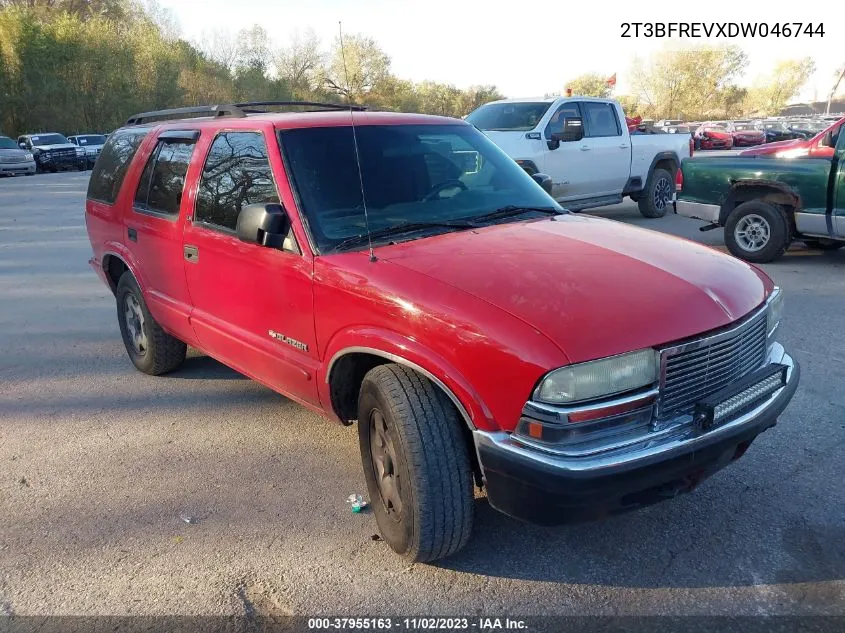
x=698 y=210
x=673 y=439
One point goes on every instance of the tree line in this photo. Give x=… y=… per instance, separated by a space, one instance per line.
x=700 y=84
x=87 y=65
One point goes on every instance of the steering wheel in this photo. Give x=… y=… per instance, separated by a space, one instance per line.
x=443 y=186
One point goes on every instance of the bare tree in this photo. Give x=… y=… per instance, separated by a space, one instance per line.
x=301 y=63
x=220 y=46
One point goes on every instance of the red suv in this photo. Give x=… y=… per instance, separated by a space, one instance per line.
x=404 y=273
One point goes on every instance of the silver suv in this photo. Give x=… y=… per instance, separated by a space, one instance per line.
x=14 y=160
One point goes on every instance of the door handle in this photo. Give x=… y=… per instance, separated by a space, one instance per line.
x=623 y=146
x=192 y=254
x=132 y=234
x=585 y=148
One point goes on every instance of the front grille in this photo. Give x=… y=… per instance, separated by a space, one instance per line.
x=694 y=370
x=15 y=159
x=63 y=154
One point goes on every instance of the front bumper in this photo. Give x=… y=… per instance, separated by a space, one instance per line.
x=18 y=168
x=539 y=487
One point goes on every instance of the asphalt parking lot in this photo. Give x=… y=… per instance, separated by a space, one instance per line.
x=100 y=462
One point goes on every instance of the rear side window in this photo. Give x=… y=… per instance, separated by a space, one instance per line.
x=160 y=188
x=601 y=119
x=236 y=172
x=110 y=169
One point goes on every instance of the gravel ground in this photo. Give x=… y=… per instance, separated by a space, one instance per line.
x=98 y=462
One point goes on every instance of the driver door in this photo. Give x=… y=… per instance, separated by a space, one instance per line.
x=838 y=201
x=252 y=305
x=571 y=164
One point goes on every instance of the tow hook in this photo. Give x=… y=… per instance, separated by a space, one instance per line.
x=708 y=227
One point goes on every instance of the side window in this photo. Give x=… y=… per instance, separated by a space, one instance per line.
x=110 y=169
x=236 y=172
x=567 y=110
x=161 y=184
x=601 y=119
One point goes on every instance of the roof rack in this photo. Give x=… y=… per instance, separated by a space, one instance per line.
x=313 y=104
x=186 y=113
x=237 y=110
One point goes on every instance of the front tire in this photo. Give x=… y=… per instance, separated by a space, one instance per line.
x=416 y=464
x=757 y=232
x=151 y=349
x=657 y=195
x=822 y=244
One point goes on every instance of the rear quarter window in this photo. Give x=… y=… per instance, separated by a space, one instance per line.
x=110 y=169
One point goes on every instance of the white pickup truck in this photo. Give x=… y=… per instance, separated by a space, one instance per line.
x=583 y=143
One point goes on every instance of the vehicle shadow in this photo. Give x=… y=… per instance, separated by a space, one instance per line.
x=198 y=366
x=671 y=544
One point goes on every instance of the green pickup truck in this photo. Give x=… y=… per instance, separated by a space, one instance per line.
x=766 y=203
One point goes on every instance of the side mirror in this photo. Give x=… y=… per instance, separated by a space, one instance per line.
x=265 y=224
x=573 y=130
x=544 y=180
x=22 y=145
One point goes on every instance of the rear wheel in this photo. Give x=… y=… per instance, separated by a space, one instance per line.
x=151 y=349
x=822 y=244
x=657 y=197
x=757 y=232
x=416 y=463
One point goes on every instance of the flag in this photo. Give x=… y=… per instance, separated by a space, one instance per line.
x=611 y=81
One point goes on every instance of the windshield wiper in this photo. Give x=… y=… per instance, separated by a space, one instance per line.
x=512 y=210
x=405 y=227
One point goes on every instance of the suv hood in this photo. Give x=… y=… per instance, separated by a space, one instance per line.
x=12 y=153
x=595 y=287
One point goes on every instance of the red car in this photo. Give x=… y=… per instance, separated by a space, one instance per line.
x=405 y=274
x=746 y=134
x=712 y=136
x=820 y=146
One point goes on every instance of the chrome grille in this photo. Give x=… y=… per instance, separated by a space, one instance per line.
x=696 y=369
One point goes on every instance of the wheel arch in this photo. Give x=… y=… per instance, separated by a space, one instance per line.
x=763 y=190
x=347 y=367
x=667 y=160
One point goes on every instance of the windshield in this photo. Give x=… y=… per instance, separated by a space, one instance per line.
x=775 y=126
x=411 y=174
x=746 y=128
x=91 y=139
x=520 y=116
x=7 y=143
x=48 y=139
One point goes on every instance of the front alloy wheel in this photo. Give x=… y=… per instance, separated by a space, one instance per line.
x=752 y=233
x=757 y=231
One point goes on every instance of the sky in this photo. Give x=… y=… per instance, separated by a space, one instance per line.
x=525 y=48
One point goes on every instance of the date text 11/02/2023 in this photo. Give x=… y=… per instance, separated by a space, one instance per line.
x=417 y=624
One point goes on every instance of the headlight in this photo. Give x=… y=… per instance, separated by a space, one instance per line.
x=599 y=378
x=775 y=312
x=29 y=156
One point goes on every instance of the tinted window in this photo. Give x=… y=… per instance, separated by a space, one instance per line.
x=48 y=139
x=91 y=139
x=567 y=110
x=160 y=188
x=110 y=169
x=411 y=174
x=508 y=116
x=601 y=119
x=236 y=172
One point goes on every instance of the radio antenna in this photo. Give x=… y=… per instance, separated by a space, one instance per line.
x=355 y=143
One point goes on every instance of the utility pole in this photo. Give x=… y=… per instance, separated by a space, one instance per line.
x=835 y=88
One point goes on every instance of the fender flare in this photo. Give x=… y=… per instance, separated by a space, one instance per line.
x=118 y=250
x=665 y=155
x=787 y=194
x=402 y=350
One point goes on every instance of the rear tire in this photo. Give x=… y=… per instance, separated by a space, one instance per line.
x=757 y=232
x=416 y=463
x=151 y=349
x=823 y=244
x=657 y=195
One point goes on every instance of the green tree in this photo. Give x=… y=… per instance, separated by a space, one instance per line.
x=590 y=85
x=355 y=68
x=768 y=95
x=686 y=83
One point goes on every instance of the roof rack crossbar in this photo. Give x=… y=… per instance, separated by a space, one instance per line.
x=313 y=104
x=191 y=111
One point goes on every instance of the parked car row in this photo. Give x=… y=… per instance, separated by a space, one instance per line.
x=49 y=151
